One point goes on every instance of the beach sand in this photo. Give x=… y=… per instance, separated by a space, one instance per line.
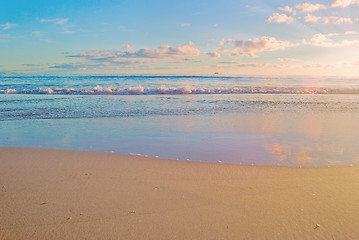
x=56 y=194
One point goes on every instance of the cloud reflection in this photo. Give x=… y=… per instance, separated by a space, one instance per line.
x=311 y=126
x=279 y=151
x=303 y=155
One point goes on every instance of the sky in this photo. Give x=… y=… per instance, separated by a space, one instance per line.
x=249 y=37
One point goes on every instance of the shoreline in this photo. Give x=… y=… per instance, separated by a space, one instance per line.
x=61 y=194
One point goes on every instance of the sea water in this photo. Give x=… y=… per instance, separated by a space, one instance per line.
x=300 y=121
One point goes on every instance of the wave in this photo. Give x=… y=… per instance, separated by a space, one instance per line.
x=98 y=90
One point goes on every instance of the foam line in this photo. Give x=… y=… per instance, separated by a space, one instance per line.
x=98 y=90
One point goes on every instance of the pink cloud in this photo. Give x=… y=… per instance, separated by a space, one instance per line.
x=344 y=3
x=286 y=9
x=127 y=47
x=336 y=20
x=280 y=18
x=311 y=18
x=250 y=47
x=310 y=7
x=161 y=52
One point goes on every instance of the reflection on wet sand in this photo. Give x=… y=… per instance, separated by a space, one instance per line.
x=314 y=139
x=303 y=155
x=310 y=126
x=279 y=151
x=266 y=129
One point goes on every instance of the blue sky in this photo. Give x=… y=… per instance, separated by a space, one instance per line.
x=180 y=37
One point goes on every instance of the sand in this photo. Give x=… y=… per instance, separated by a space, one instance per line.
x=55 y=194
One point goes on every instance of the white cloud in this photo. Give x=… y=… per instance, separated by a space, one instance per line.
x=214 y=54
x=7 y=26
x=164 y=52
x=250 y=47
x=286 y=9
x=328 y=20
x=66 y=29
x=322 y=40
x=336 y=20
x=280 y=18
x=311 y=18
x=309 y=7
x=344 y=3
x=59 y=21
x=215 y=25
x=319 y=38
x=185 y=24
x=143 y=58
x=127 y=47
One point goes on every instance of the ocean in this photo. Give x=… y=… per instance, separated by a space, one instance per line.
x=266 y=120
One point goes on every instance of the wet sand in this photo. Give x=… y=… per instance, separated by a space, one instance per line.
x=56 y=194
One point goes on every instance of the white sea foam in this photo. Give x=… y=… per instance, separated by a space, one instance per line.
x=99 y=90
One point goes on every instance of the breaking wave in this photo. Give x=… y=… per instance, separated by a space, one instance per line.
x=163 y=90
